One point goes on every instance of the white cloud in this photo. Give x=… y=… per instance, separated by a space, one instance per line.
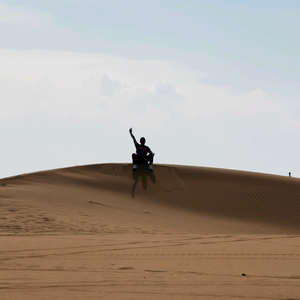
x=19 y=15
x=291 y=122
x=108 y=86
x=211 y=101
x=116 y=91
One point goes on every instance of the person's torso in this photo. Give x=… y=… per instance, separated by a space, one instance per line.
x=142 y=150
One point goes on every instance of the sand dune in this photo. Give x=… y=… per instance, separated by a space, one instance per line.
x=111 y=197
x=179 y=232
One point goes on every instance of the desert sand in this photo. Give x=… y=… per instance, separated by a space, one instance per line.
x=180 y=232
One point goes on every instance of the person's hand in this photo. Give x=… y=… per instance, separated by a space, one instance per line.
x=130 y=130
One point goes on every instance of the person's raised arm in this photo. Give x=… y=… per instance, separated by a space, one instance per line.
x=134 y=140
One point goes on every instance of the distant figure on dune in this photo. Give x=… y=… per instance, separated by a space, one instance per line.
x=143 y=154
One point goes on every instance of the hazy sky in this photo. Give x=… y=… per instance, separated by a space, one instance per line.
x=208 y=83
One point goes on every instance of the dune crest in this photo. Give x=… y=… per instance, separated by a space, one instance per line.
x=113 y=198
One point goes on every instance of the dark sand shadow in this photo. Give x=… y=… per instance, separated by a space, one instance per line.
x=142 y=172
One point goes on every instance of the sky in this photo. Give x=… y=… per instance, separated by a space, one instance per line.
x=208 y=83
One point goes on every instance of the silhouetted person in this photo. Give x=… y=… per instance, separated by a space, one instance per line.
x=143 y=154
x=290 y=174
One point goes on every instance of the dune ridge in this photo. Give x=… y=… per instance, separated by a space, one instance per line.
x=113 y=198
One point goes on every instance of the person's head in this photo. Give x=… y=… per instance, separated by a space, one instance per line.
x=142 y=141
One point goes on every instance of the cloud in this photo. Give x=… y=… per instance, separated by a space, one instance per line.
x=212 y=101
x=22 y=16
x=162 y=94
x=117 y=92
x=166 y=93
x=290 y=121
x=108 y=87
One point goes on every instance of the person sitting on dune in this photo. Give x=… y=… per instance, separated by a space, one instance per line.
x=143 y=154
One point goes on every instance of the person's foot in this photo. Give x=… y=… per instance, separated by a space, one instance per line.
x=134 y=167
x=150 y=167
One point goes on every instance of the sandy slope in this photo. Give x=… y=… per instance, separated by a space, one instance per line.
x=180 y=199
x=178 y=233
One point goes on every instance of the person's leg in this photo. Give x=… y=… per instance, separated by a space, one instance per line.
x=134 y=158
x=150 y=158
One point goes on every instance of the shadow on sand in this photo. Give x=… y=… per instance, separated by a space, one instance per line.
x=142 y=172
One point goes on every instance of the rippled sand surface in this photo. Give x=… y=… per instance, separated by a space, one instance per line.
x=179 y=232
